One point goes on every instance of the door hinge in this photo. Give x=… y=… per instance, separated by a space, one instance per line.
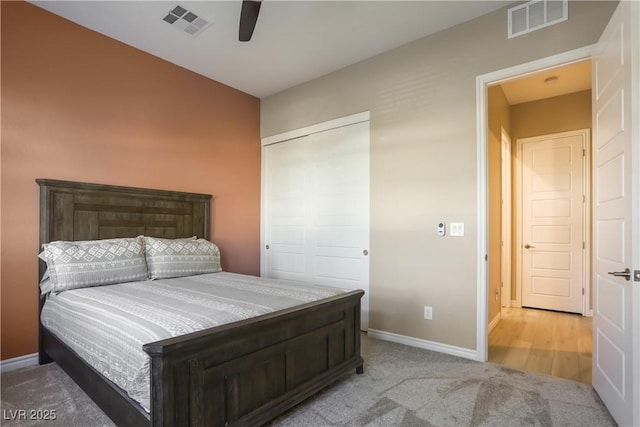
x=584 y=152
x=582 y=291
x=583 y=245
x=584 y=198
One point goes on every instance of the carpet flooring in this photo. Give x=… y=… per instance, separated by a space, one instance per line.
x=401 y=386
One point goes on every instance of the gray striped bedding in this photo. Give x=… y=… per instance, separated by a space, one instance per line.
x=107 y=325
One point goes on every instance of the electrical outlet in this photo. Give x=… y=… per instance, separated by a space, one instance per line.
x=428 y=312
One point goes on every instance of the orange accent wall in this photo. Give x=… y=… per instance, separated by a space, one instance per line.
x=79 y=106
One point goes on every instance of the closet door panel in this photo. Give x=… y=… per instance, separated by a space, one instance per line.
x=285 y=205
x=316 y=206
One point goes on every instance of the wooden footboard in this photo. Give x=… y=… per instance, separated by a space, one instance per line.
x=248 y=372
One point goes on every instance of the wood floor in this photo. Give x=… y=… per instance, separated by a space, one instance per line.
x=548 y=342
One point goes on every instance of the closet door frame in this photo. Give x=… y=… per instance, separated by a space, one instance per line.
x=286 y=136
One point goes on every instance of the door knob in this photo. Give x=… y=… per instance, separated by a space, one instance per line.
x=528 y=246
x=626 y=274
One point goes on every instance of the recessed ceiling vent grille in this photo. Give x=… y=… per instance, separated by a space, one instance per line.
x=536 y=14
x=185 y=20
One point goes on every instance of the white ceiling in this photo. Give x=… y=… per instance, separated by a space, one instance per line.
x=294 y=41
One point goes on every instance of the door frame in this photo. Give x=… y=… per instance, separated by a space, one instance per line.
x=506 y=218
x=586 y=214
x=635 y=199
x=482 y=123
x=352 y=119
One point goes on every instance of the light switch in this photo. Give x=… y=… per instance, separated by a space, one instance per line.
x=456 y=229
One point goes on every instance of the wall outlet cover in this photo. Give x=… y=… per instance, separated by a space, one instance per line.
x=428 y=312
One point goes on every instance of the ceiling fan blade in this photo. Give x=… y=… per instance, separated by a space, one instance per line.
x=248 y=18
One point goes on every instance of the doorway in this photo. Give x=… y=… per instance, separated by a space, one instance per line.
x=531 y=104
x=315 y=198
x=616 y=58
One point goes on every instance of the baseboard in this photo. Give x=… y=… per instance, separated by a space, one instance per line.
x=426 y=344
x=494 y=322
x=514 y=303
x=18 y=362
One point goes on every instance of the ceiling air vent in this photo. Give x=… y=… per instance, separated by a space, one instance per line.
x=536 y=14
x=185 y=20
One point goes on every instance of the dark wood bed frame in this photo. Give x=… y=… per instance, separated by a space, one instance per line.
x=243 y=373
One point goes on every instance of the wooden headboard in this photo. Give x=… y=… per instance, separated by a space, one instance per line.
x=81 y=211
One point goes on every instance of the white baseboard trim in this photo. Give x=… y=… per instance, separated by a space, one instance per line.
x=18 y=362
x=514 y=303
x=426 y=344
x=494 y=322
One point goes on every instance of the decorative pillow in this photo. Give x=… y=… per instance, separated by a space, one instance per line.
x=45 y=286
x=46 y=269
x=88 y=263
x=168 y=258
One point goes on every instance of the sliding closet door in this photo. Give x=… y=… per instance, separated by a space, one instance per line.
x=285 y=205
x=316 y=209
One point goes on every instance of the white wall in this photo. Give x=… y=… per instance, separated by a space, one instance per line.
x=423 y=158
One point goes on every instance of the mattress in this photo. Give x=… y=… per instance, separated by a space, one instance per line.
x=108 y=325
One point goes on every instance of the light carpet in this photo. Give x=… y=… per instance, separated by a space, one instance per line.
x=401 y=386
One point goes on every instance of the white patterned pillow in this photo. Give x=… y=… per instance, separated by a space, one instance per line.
x=88 y=263
x=168 y=258
x=45 y=286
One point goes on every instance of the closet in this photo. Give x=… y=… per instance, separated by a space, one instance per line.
x=315 y=208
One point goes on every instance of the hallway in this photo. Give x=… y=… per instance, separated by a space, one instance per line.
x=548 y=342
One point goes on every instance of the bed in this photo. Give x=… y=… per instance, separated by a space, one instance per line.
x=242 y=373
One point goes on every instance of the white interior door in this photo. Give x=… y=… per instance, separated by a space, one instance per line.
x=316 y=205
x=615 y=213
x=553 y=221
